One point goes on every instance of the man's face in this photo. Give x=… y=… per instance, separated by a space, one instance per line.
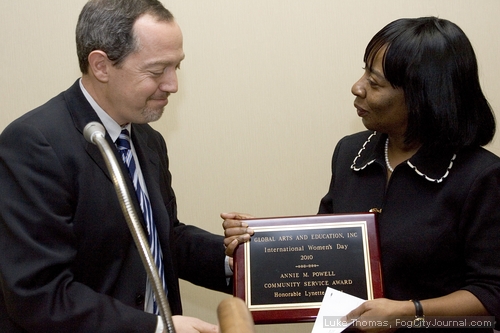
x=138 y=89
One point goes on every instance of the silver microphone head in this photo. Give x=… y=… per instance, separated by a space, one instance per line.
x=92 y=129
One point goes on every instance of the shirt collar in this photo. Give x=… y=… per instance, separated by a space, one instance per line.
x=432 y=163
x=112 y=127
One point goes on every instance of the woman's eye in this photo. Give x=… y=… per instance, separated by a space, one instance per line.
x=372 y=83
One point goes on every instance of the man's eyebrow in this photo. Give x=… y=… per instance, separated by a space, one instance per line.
x=164 y=63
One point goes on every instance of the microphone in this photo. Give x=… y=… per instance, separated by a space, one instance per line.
x=92 y=129
x=234 y=316
x=94 y=132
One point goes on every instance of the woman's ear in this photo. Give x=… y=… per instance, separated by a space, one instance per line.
x=99 y=64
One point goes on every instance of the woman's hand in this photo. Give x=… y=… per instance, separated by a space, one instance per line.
x=236 y=231
x=379 y=315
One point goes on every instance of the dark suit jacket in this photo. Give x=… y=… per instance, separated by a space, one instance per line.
x=436 y=237
x=68 y=262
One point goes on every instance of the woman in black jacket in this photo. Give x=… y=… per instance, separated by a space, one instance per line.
x=422 y=166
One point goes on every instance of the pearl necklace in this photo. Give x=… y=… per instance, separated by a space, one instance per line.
x=386 y=153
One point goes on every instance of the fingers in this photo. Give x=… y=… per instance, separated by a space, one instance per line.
x=236 y=231
x=234 y=225
x=235 y=228
x=234 y=236
x=231 y=264
x=186 y=324
x=231 y=247
x=236 y=216
x=231 y=243
x=204 y=327
x=356 y=313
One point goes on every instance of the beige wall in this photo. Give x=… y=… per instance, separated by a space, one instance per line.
x=264 y=94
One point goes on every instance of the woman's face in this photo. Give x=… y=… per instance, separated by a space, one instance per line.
x=381 y=107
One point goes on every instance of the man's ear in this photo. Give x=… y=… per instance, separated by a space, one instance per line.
x=99 y=64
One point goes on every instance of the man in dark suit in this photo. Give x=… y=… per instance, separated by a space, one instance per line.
x=68 y=262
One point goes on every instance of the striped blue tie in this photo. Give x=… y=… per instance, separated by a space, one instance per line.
x=123 y=144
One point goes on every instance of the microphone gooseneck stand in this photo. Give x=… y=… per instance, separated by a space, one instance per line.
x=94 y=132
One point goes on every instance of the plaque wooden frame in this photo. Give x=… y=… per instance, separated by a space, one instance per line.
x=246 y=264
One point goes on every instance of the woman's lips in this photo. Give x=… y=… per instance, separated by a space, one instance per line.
x=361 y=112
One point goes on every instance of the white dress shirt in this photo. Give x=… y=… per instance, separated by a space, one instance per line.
x=114 y=130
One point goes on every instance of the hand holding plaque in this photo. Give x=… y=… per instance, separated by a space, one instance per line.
x=236 y=230
x=283 y=272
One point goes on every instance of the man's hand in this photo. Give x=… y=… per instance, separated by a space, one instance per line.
x=185 y=324
x=236 y=231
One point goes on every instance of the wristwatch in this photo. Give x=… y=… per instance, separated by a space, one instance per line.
x=419 y=313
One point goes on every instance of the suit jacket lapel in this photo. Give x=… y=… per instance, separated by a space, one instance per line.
x=82 y=113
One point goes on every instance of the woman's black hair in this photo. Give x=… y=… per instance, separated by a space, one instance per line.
x=434 y=63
